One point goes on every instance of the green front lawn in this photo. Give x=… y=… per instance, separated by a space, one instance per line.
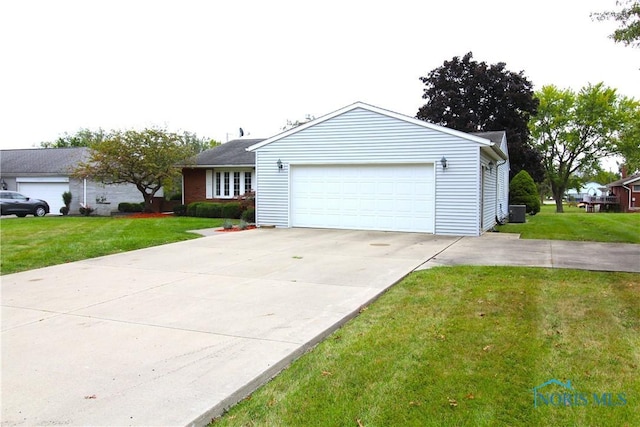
x=28 y=243
x=465 y=346
x=576 y=224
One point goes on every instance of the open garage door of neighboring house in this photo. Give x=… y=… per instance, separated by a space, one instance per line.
x=49 y=190
x=363 y=197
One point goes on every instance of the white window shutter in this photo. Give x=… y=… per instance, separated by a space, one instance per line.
x=209 y=189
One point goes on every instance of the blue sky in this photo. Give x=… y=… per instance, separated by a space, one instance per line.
x=212 y=67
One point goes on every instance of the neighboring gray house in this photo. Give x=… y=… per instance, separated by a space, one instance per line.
x=363 y=167
x=44 y=173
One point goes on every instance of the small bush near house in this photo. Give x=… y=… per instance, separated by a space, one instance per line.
x=523 y=191
x=130 y=207
x=180 y=210
x=192 y=207
x=176 y=197
x=227 y=224
x=86 y=210
x=231 y=210
x=209 y=210
x=249 y=215
x=66 y=199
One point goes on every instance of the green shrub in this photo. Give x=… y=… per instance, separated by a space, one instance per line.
x=130 y=207
x=249 y=215
x=227 y=224
x=180 y=210
x=176 y=197
x=523 y=191
x=209 y=210
x=192 y=207
x=231 y=210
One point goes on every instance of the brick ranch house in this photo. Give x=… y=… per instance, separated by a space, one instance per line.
x=627 y=191
x=221 y=173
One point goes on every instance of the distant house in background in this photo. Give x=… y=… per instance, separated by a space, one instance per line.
x=627 y=190
x=588 y=189
x=45 y=173
x=221 y=173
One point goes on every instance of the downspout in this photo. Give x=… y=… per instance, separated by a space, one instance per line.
x=84 y=191
x=629 y=190
x=502 y=215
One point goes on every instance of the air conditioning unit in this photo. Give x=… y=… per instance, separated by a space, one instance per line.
x=517 y=213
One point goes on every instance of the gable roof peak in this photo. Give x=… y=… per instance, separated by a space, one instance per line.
x=374 y=109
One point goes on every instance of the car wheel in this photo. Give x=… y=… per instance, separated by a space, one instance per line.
x=40 y=211
x=21 y=215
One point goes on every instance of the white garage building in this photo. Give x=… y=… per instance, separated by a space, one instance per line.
x=366 y=168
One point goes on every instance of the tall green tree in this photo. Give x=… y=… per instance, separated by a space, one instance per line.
x=628 y=144
x=574 y=131
x=146 y=159
x=471 y=96
x=628 y=17
x=82 y=138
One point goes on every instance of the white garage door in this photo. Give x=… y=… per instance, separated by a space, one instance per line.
x=363 y=197
x=50 y=192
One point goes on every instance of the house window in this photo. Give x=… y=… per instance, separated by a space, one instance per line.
x=236 y=183
x=226 y=183
x=247 y=182
x=636 y=188
x=217 y=184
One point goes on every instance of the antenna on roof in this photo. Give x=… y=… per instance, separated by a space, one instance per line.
x=241 y=133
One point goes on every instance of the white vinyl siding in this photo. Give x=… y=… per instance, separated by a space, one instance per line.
x=489 y=193
x=360 y=136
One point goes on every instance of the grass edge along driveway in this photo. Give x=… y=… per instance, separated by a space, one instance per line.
x=466 y=346
x=29 y=243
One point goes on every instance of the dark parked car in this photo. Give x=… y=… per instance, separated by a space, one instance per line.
x=15 y=203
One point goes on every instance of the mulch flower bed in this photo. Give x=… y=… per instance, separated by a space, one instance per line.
x=235 y=228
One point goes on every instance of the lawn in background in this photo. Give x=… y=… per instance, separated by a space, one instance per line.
x=466 y=346
x=576 y=224
x=28 y=243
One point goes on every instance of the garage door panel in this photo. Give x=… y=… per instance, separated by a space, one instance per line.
x=50 y=192
x=371 y=197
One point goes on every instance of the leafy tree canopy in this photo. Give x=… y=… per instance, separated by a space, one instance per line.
x=146 y=158
x=574 y=131
x=628 y=17
x=472 y=96
x=82 y=138
x=87 y=137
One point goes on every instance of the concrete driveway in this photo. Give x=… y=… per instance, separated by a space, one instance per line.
x=172 y=335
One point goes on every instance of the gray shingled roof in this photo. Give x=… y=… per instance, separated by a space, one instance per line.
x=42 y=161
x=232 y=153
x=493 y=136
x=623 y=180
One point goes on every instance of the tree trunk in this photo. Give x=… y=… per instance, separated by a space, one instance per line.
x=148 y=202
x=559 y=206
x=558 y=194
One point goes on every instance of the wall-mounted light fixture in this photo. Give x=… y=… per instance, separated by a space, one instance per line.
x=443 y=162
x=491 y=165
x=279 y=163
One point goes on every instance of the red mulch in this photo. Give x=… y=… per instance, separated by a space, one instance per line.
x=249 y=227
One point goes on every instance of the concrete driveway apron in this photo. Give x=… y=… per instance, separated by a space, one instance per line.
x=171 y=335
